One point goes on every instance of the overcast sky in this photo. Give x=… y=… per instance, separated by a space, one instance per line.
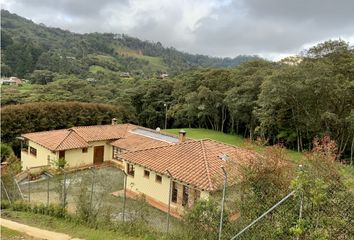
x=269 y=28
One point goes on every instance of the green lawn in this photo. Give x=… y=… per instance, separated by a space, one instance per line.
x=9 y=234
x=201 y=133
x=64 y=226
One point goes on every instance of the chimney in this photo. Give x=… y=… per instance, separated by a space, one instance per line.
x=114 y=121
x=182 y=136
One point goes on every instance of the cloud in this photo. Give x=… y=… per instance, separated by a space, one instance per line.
x=270 y=28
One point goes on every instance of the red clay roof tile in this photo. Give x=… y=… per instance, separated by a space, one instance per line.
x=197 y=163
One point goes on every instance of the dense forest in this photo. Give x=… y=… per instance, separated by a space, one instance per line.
x=28 y=48
x=288 y=102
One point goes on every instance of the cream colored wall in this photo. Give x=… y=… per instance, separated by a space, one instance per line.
x=149 y=187
x=75 y=157
x=28 y=160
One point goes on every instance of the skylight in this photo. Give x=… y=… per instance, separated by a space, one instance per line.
x=155 y=135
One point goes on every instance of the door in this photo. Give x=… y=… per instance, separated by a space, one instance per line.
x=98 y=152
x=61 y=154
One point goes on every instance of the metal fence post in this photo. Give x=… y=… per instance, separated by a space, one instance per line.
x=222 y=202
x=3 y=186
x=29 y=185
x=92 y=185
x=64 y=189
x=125 y=194
x=169 y=202
x=301 y=198
x=48 y=179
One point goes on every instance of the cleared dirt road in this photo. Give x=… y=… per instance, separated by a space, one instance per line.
x=35 y=232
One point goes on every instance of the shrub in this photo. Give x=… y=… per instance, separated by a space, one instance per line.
x=5 y=204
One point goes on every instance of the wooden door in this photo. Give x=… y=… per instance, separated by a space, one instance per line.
x=61 y=154
x=98 y=153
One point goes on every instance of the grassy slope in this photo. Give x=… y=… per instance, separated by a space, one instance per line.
x=199 y=133
x=9 y=234
x=64 y=226
x=156 y=63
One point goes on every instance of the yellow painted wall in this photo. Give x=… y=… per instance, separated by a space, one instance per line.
x=148 y=186
x=28 y=160
x=74 y=157
x=151 y=188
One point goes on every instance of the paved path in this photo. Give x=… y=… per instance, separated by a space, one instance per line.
x=35 y=232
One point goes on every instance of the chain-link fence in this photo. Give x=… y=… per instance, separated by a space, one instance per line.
x=98 y=194
x=92 y=194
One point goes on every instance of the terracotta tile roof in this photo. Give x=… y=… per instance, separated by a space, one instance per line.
x=77 y=137
x=48 y=139
x=71 y=141
x=101 y=132
x=197 y=163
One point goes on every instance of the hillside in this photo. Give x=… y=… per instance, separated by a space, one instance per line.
x=28 y=47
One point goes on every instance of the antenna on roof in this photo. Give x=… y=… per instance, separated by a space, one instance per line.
x=224 y=157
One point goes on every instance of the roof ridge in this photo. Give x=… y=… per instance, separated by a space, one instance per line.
x=166 y=146
x=63 y=140
x=126 y=130
x=206 y=164
x=223 y=143
x=72 y=129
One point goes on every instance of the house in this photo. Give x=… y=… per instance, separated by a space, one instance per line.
x=88 y=145
x=163 y=76
x=193 y=166
x=11 y=81
x=124 y=74
x=155 y=163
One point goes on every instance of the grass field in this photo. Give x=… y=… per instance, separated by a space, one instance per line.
x=60 y=225
x=9 y=234
x=236 y=140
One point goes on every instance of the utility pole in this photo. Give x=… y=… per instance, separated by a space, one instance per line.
x=165 y=105
x=222 y=202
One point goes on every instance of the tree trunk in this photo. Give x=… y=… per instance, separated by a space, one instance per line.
x=237 y=126
x=351 y=152
x=298 y=140
x=232 y=125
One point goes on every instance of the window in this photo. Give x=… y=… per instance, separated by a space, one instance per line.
x=158 y=178
x=185 y=195
x=146 y=173
x=61 y=154
x=130 y=169
x=196 y=195
x=84 y=150
x=33 y=151
x=174 y=192
x=116 y=152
